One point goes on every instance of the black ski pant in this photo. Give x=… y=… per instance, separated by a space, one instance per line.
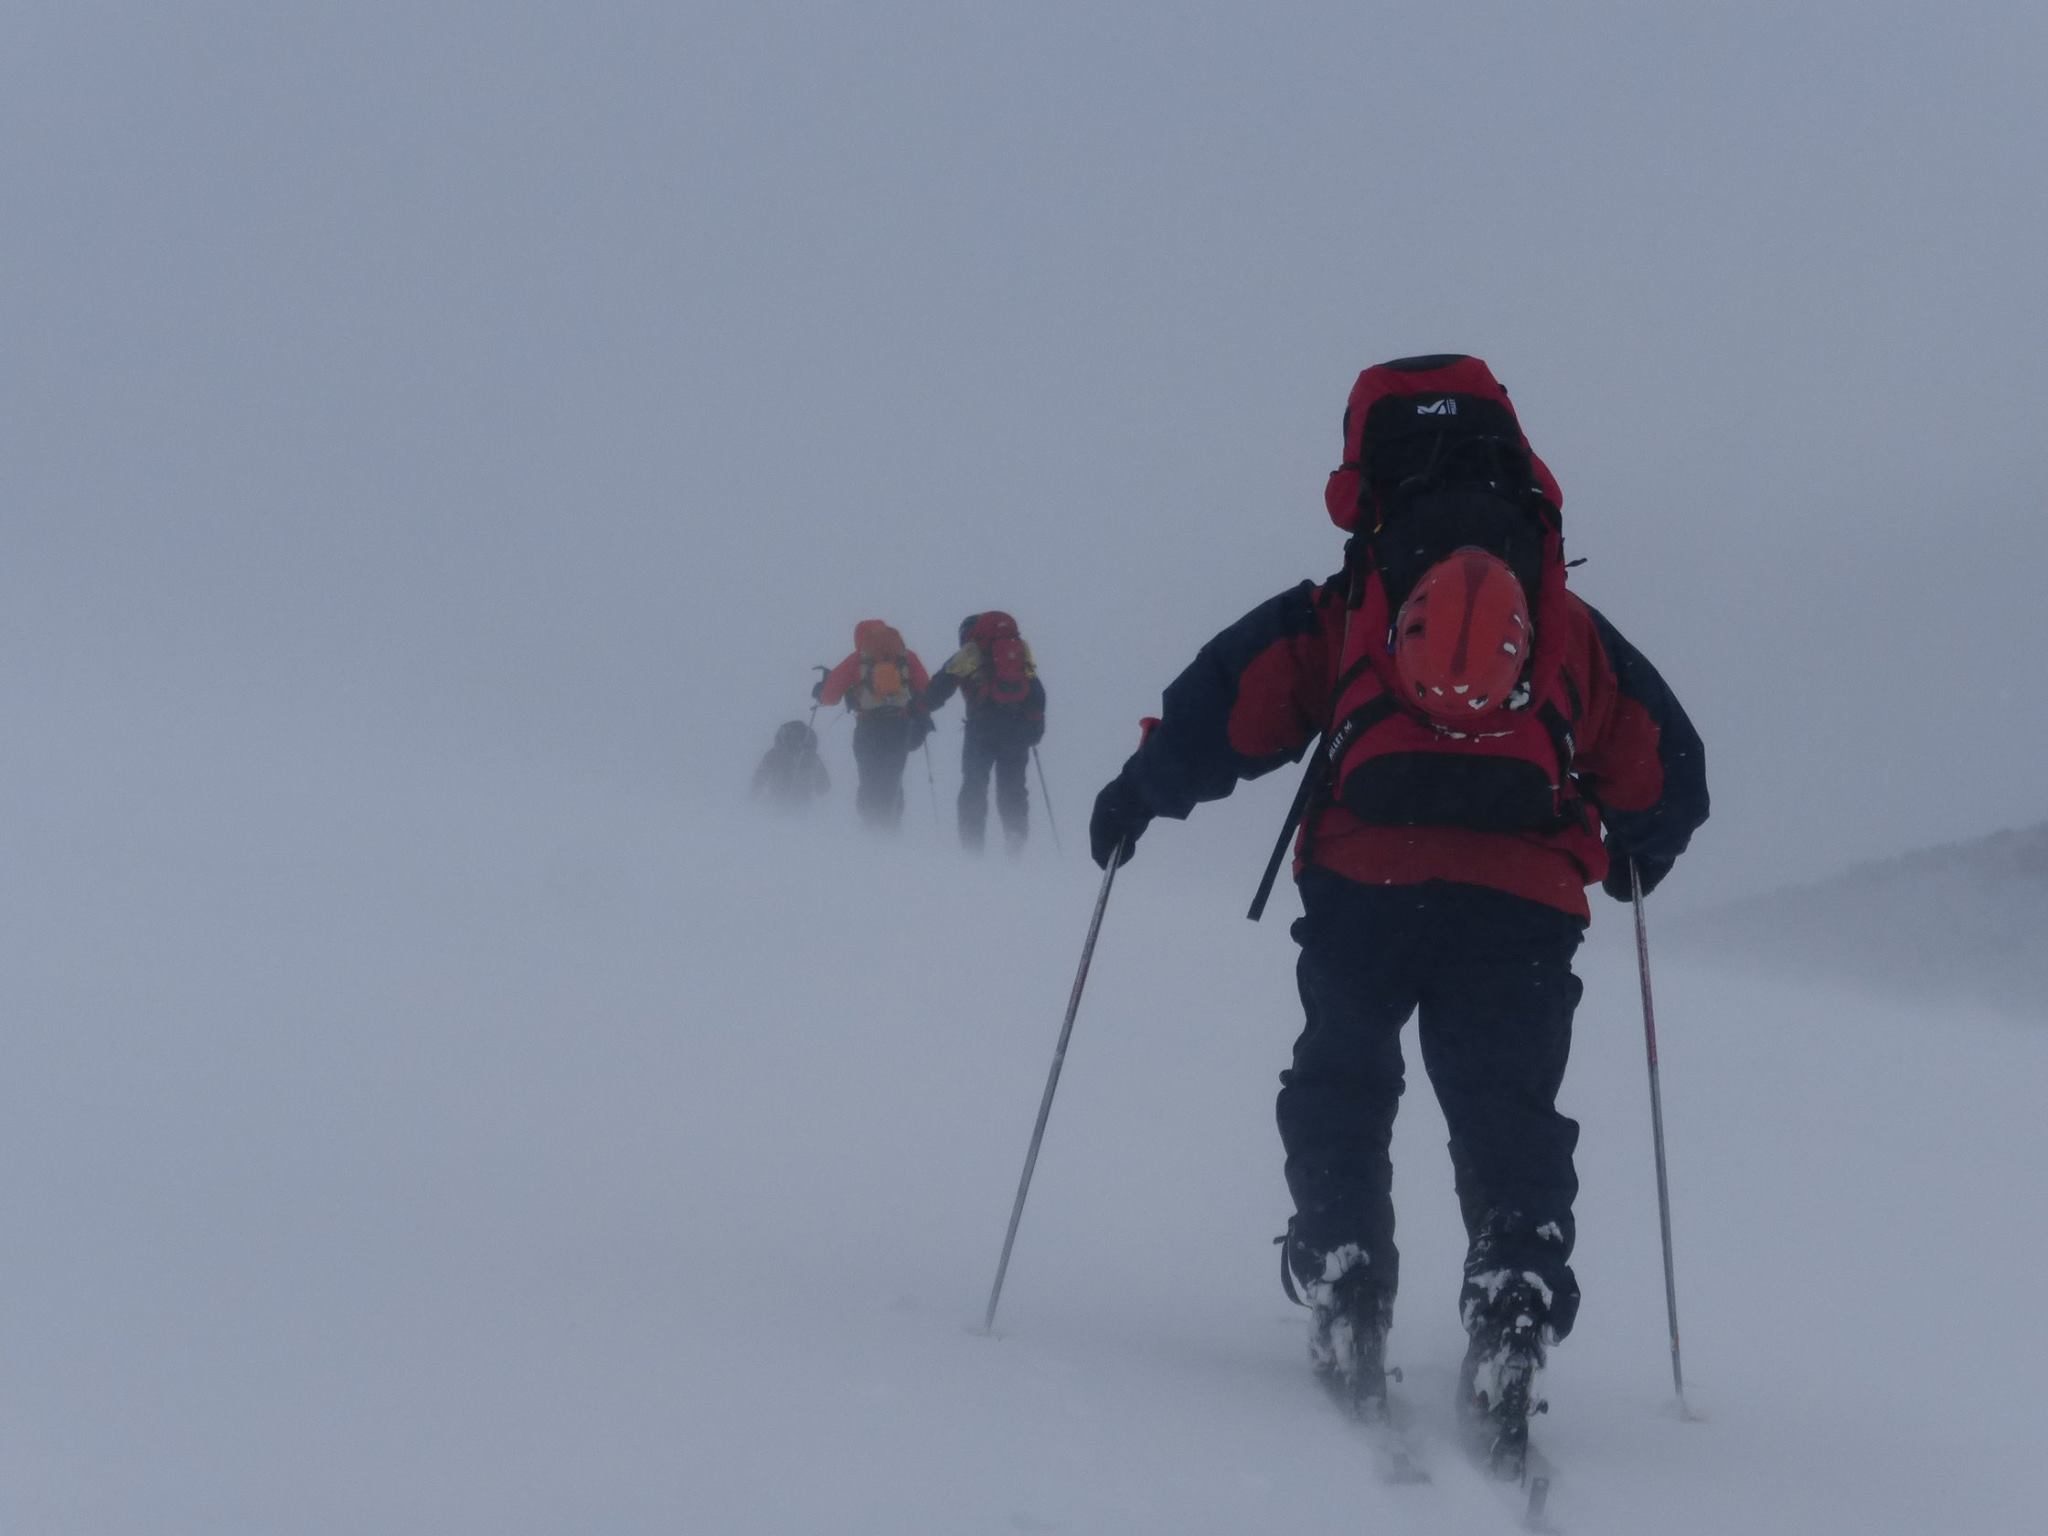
x=882 y=739
x=992 y=745
x=1489 y=977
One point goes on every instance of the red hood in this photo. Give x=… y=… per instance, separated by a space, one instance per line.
x=869 y=630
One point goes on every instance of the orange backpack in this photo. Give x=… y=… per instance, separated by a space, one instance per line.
x=884 y=673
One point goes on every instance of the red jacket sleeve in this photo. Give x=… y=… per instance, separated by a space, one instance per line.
x=839 y=679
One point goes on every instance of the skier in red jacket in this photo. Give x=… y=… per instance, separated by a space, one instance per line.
x=883 y=683
x=1487 y=745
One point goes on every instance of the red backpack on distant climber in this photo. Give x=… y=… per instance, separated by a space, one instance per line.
x=1005 y=675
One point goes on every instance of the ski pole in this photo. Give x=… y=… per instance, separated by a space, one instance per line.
x=1059 y=1056
x=932 y=782
x=1052 y=1081
x=1045 y=794
x=1635 y=884
x=816 y=703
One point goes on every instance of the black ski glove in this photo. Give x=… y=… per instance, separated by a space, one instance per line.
x=1120 y=815
x=1651 y=871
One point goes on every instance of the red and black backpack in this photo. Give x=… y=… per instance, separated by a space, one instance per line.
x=1004 y=676
x=1435 y=461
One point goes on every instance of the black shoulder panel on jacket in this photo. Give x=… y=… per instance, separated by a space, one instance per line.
x=1190 y=757
x=1662 y=831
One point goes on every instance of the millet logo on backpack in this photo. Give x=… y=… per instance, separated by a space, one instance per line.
x=1444 y=407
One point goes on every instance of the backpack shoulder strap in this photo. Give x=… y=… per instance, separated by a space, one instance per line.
x=1316 y=778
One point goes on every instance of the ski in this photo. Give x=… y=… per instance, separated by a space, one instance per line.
x=1521 y=1472
x=1395 y=1461
x=1536 y=1478
x=1497 y=1397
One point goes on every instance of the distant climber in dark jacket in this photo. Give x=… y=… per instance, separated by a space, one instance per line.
x=995 y=672
x=791 y=774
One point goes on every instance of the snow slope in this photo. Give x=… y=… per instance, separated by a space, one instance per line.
x=1958 y=920
x=393 y=1148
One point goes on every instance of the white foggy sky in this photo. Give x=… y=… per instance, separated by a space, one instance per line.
x=482 y=380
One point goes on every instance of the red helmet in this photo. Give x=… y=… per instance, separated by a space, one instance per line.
x=1462 y=637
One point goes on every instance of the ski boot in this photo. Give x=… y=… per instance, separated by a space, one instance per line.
x=1497 y=1383
x=1347 y=1340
